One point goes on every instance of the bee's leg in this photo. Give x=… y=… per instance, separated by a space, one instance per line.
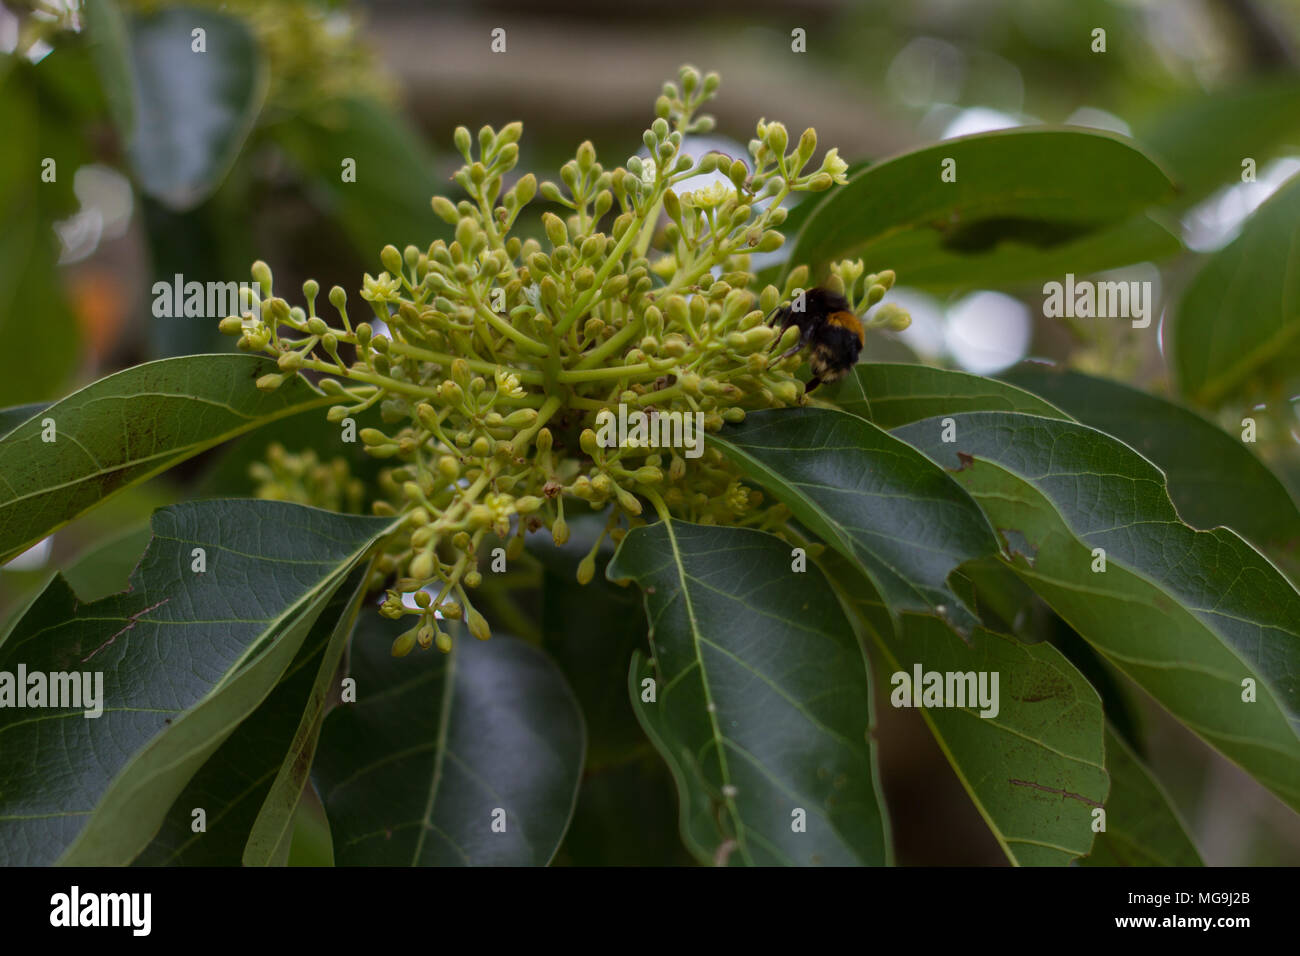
x=812 y=383
x=788 y=352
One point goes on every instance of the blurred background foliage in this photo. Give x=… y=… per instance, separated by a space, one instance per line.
x=126 y=160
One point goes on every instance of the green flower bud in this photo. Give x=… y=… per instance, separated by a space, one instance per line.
x=423 y=598
x=559 y=531
x=544 y=440
x=445 y=209
x=424 y=636
x=262 y=275
x=555 y=229
x=477 y=624
x=587 y=440
x=449 y=467
x=776 y=138
x=317 y=326
x=289 y=362
x=373 y=436
x=461 y=139
x=820 y=182
x=404 y=643
x=422 y=566
x=738 y=173
x=392 y=259
x=893 y=316
x=269 y=383
x=525 y=189
x=527 y=504
x=231 y=325
x=473 y=579
x=586 y=569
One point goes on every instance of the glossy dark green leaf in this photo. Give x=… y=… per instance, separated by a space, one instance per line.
x=591 y=631
x=250 y=788
x=1026 y=204
x=1213 y=477
x=1238 y=322
x=185 y=657
x=1199 y=619
x=439 y=748
x=193 y=109
x=873 y=498
x=128 y=427
x=1142 y=827
x=762 y=704
x=890 y=395
x=1031 y=762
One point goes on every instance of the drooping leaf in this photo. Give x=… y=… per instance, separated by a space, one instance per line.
x=1025 y=204
x=1213 y=478
x=1239 y=319
x=128 y=427
x=868 y=495
x=1142 y=827
x=1032 y=761
x=193 y=108
x=1198 y=619
x=250 y=788
x=761 y=702
x=890 y=395
x=185 y=656
x=466 y=759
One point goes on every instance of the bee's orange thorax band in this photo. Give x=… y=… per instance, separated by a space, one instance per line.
x=847 y=320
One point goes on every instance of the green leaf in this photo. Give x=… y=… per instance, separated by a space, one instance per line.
x=128 y=427
x=1026 y=203
x=1204 y=138
x=866 y=494
x=105 y=567
x=389 y=200
x=185 y=657
x=40 y=331
x=11 y=418
x=1239 y=320
x=1142 y=827
x=1213 y=478
x=193 y=110
x=418 y=769
x=763 y=704
x=250 y=788
x=890 y=395
x=109 y=44
x=1034 y=767
x=593 y=647
x=1189 y=615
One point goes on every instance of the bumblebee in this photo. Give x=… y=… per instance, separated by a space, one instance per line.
x=828 y=324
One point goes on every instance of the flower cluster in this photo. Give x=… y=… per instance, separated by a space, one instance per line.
x=490 y=356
